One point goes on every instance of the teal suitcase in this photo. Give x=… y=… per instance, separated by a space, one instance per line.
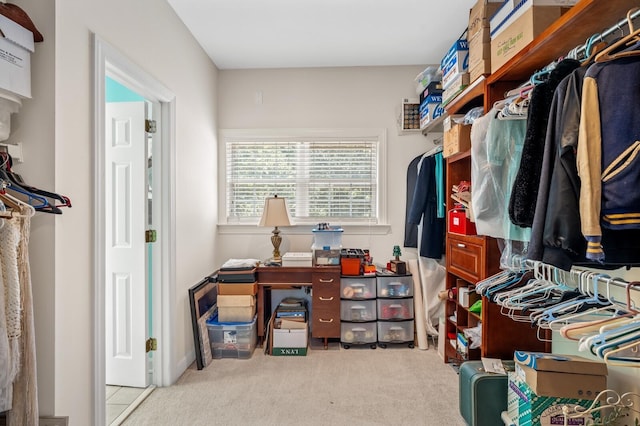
x=483 y=396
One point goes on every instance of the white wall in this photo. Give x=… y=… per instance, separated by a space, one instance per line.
x=57 y=129
x=361 y=97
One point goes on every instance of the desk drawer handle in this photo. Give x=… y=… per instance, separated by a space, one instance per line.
x=326 y=281
x=324 y=320
x=326 y=299
x=461 y=245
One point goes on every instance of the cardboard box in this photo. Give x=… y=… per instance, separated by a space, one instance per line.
x=236 y=308
x=460 y=83
x=560 y=363
x=479 y=53
x=289 y=342
x=480 y=69
x=565 y=385
x=430 y=109
x=526 y=408
x=16 y=46
x=521 y=32
x=480 y=14
x=238 y=288
x=567 y=376
x=455 y=62
x=455 y=140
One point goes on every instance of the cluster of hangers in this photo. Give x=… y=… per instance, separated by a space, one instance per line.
x=609 y=404
x=15 y=192
x=515 y=104
x=579 y=304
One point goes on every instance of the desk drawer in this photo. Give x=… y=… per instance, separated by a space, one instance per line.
x=325 y=304
x=465 y=258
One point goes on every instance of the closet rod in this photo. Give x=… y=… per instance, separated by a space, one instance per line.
x=611 y=30
x=617 y=282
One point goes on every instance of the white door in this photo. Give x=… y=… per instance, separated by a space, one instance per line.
x=125 y=219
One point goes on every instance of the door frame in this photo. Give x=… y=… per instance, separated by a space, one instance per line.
x=109 y=61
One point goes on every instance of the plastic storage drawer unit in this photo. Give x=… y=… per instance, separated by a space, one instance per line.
x=232 y=339
x=483 y=396
x=358 y=288
x=395 y=309
x=352 y=333
x=396 y=286
x=358 y=310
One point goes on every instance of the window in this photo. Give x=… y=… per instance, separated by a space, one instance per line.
x=325 y=176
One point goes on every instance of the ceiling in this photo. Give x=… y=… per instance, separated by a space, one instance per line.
x=243 y=34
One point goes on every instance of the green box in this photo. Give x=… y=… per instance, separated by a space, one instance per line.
x=289 y=352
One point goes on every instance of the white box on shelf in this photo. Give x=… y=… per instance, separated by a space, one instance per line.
x=16 y=46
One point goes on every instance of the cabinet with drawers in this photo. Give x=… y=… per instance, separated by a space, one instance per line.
x=325 y=303
x=395 y=313
x=358 y=311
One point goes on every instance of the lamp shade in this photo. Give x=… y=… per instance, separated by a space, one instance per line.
x=275 y=212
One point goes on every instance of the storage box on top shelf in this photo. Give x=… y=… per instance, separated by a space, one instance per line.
x=479 y=17
x=460 y=83
x=433 y=88
x=511 y=10
x=430 y=110
x=16 y=47
x=429 y=75
x=519 y=33
x=479 y=54
x=456 y=61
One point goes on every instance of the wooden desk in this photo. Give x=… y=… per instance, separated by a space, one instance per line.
x=325 y=301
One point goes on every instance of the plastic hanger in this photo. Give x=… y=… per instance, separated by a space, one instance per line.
x=633 y=36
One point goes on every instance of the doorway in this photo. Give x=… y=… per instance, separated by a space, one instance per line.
x=134 y=228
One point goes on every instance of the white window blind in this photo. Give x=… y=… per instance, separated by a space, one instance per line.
x=322 y=180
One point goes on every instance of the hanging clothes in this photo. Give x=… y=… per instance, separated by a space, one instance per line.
x=411 y=229
x=495 y=158
x=424 y=210
x=524 y=193
x=607 y=154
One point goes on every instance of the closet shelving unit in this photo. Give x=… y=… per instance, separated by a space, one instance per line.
x=473 y=258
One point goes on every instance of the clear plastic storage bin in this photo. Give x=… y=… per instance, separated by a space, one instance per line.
x=329 y=238
x=395 y=331
x=232 y=339
x=358 y=333
x=395 y=286
x=358 y=310
x=358 y=288
x=395 y=309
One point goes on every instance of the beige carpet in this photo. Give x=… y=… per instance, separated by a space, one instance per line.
x=356 y=386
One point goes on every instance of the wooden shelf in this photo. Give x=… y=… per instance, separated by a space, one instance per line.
x=435 y=126
x=474 y=91
x=573 y=28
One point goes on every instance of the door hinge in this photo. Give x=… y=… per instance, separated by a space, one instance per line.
x=150 y=236
x=151 y=344
x=150 y=126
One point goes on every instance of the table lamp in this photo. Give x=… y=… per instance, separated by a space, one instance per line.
x=275 y=214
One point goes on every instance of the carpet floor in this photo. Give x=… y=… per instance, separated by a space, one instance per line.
x=356 y=386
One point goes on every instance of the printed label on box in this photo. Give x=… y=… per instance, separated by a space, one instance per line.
x=230 y=336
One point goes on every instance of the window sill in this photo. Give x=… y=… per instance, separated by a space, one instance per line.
x=302 y=229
